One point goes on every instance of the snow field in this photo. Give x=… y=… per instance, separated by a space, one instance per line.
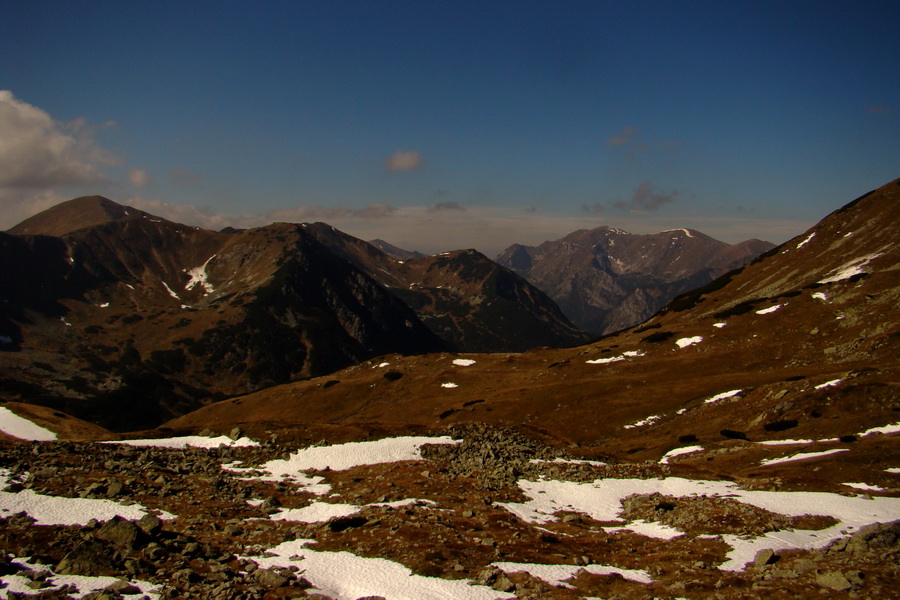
x=612 y=359
x=19 y=427
x=602 y=500
x=85 y=584
x=59 y=510
x=194 y=441
x=688 y=341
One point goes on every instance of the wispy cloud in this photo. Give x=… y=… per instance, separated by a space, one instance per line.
x=404 y=160
x=185 y=177
x=40 y=156
x=623 y=138
x=645 y=199
x=879 y=110
x=312 y=213
x=446 y=207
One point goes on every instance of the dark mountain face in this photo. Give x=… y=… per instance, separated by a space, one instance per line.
x=132 y=320
x=471 y=302
x=606 y=280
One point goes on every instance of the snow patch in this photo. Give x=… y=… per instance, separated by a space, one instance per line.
x=850 y=269
x=803 y=243
x=612 y=359
x=722 y=396
x=894 y=428
x=20 y=427
x=59 y=510
x=463 y=362
x=679 y=452
x=771 y=309
x=198 y=277
x=344 y=456
x=719 y=325
x=602 y=500
x=84 y=584
x=820 y=296
x=865 y=487
x=642 y=422
x=688 y=341
x=168 y=289
x=827 y=384
x=346 y=576
x=194 y=441
x=449 y=385
x=801 y=456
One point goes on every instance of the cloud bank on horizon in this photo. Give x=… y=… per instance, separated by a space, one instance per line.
x=434 y=130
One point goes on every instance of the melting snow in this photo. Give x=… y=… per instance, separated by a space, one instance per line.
x=59 y=510
x=168 y=289
x=865 y=487
x=831 y=383
x=463 y=362
x=449 y=385
x=801 y=456
x=198 y=277
x=345 y=576
x=558 y=574
x=319 y=512
x=346 y=456
x=820 y=296
x=895 y=428
x=852 y=268
x=771 y=309
x=679 y=452
x=195 y=441
x=719 y=325
x=85 y=584
x=642 y=422
x=689 y=341
x=602 y=500
x=19 y=427
x=568 y=461
x=803 y=243
x=381 y=365
x=722 y=396
x=612 y=359
x=786 y=442
x=895 y=470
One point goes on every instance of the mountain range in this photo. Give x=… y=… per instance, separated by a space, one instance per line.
x=742 y=442
x=606 y=279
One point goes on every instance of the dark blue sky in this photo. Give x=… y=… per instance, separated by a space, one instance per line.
x=446 y=125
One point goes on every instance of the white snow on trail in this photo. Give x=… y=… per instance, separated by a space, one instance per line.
x=688 y=341
x=345 y=576
x=59 y=510
x=612 y=359
x=194 y=441
x=558 y=574
x=20 y=427
x=602 y=500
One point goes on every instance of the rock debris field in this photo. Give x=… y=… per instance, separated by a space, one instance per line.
x=474 y=512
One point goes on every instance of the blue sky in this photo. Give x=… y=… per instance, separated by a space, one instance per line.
x=450 y=125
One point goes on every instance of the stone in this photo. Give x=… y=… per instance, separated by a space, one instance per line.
x=119 y=532
x=834 y=580
x=87 y=558
x=269 y=578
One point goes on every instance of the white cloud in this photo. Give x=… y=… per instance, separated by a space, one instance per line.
x=138 y=177
x=404 y=160
x=39 y=156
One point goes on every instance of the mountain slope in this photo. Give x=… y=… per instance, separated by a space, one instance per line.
x=807 y=334
x=471 y=302
x=606 y=279
x=163 y=317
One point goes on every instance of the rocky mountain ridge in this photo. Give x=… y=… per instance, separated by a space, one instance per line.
x=606 y=279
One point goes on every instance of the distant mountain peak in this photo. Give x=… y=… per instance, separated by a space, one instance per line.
x=75 y=214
